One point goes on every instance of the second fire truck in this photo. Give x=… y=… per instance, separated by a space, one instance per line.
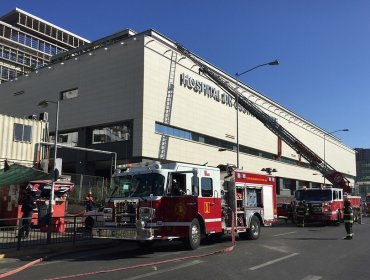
x=325 y=205
x=188 y=202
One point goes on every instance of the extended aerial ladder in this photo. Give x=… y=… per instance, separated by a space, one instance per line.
x=335 y=177
x=163 y=147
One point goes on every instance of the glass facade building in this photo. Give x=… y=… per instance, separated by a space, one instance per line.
x=363 y=164
x=28 y=43
x=363 y=171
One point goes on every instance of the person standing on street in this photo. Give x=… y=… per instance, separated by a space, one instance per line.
x=28 y=204
x=301 y=211
x=348 y=219
x=89 y=202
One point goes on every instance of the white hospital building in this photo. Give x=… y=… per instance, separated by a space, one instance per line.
x=136 y=95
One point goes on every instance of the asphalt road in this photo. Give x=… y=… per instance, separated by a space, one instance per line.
x=283 y=252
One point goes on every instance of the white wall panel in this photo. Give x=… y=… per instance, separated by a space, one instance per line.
x=17 y=151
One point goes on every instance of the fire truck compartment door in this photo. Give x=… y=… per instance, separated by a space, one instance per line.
x=268 y=203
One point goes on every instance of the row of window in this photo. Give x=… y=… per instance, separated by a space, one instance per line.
x=24 y=39
x=21 y=58
x=193 y=136
x=35 y=43
x=49 y=30
x=8 y=74
x=109 y=134
x=114 y=133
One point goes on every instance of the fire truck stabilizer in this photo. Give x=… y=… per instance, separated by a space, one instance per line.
x=188 y=202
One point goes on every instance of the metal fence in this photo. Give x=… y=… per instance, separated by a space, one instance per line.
x=84 y=184
x=69 y=229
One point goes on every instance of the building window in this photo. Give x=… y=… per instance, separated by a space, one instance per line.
x=207 y=187
x=112 y=133
x=22 y=132
x=69 y=138
x=197 y=137
x=69 y=94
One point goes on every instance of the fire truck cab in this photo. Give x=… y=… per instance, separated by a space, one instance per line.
x=326 y=204
x=175 y=200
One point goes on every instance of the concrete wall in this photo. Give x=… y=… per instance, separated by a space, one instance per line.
x=109 y=86
x=199 y=113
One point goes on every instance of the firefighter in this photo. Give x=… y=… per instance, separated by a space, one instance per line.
x=89 y=202
x=301 y=210
x=290 y=212
x=28 y=204
x=176 y=189
x=348 y=219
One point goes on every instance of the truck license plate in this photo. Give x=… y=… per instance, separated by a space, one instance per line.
x=113 y=233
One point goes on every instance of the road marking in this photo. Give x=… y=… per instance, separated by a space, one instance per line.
x=155 y=272
x=273 y=261
x=312 y=277
x=167 y=254
x=285 y=233
x=275 y=248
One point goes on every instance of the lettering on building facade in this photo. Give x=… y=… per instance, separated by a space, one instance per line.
x=210 y=92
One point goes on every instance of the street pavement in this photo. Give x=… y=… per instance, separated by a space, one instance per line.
x=284 y=251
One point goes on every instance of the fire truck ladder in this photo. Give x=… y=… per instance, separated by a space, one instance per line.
x=335 y=177
x=163 y=148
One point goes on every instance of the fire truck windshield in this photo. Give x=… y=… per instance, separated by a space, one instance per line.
x=138 y=185
x=314 y=195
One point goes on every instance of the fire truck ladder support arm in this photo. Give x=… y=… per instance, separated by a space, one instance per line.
x=335 y=177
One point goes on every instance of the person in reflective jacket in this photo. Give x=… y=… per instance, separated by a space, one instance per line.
x=301 y=212
x=348 y=219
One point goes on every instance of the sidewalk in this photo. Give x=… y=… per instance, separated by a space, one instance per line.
x=56 y=248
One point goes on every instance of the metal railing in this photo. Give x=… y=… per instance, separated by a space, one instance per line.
x=64 y=229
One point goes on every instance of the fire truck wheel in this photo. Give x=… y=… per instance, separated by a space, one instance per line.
x=253 y=232
x=192 y=242
x=89 y=223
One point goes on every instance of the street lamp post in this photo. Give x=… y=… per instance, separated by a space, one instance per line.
x=326 y=134
x=44 y=104
x=237 y=75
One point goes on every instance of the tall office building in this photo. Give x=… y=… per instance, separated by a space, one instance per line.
x=28 y=42
x=363 y=171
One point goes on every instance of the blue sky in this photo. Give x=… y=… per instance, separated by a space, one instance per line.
x=323 y=46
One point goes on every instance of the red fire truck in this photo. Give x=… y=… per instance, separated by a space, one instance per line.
x=175 y=200
x=326 y=205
